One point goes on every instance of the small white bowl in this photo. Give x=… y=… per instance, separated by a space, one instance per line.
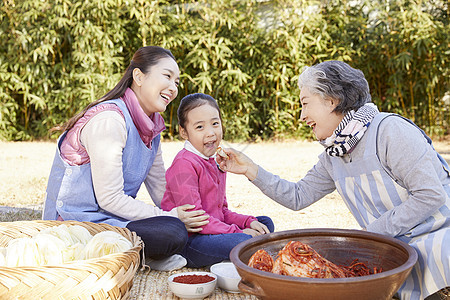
x=227 y=276
x=192 y=291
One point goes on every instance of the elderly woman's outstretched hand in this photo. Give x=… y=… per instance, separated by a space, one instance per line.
x=237 y=162
x=192 y=219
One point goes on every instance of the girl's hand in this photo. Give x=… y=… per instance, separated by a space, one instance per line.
x=192 y=219
x=259 y=227
x=237 y=162
x=251 y=232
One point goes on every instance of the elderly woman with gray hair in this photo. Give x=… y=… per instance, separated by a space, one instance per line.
x=383 y=166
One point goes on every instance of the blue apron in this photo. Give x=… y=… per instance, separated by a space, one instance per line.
x=70 y=192
x=369 y=191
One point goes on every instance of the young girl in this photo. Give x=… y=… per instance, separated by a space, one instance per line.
x=194 y=178
x=383 y=166
x=109 y=149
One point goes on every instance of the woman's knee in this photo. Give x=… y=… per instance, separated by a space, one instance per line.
x=173 y=230
x=177 y=234
x=162 y=236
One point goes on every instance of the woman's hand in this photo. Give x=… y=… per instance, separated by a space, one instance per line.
x=192 y=219
x=237 y=162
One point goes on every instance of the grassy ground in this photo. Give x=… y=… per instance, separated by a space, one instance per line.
x=25 y=167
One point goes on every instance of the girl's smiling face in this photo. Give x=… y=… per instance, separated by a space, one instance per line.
x=203 y=129
x=158 y=87
x=318 y=114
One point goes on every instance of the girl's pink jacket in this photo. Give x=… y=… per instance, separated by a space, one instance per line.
x=194 y=180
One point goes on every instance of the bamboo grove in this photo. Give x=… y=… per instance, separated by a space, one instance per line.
x=56 y=56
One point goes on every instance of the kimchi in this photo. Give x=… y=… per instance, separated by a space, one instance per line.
x=300 y=260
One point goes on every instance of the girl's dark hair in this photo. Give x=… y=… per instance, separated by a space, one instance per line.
x=192 y=101
x=143 y=59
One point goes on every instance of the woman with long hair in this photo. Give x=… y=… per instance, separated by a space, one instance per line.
x=113 y=146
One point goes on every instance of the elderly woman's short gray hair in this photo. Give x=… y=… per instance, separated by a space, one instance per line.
x=337 y=80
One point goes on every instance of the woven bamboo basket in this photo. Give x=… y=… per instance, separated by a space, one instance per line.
x=107 y=277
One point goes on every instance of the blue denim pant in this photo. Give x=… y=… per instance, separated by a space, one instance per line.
x=207 y=249
x=163 y=236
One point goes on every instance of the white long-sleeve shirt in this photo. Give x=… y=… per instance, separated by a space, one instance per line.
x=104 y=137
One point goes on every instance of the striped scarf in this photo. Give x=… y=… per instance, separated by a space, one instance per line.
x=350 y=130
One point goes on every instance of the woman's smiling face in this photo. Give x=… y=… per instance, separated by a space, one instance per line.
x=158 y=87
x=318 y=114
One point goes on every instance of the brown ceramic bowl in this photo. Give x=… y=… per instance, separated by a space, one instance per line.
x=341 y=247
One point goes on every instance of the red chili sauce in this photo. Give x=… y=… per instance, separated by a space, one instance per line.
x=193 y=279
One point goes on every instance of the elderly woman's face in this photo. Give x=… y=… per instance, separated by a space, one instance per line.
x=317 y=113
